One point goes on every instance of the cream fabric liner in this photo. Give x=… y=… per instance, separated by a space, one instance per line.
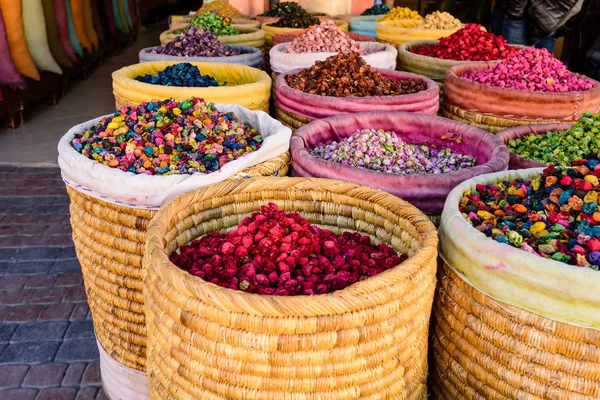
x=110 y=184
x=550 y=288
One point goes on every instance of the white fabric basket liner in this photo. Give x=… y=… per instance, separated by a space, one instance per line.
x=379 y=55
x=152 y=191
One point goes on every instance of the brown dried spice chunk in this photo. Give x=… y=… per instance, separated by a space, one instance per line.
x=347 y=74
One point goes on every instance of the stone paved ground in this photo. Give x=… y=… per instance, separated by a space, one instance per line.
x=47 y=344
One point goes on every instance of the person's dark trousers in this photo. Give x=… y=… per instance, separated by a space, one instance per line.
x=515 y=32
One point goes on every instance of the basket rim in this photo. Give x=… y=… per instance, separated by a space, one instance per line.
x=66 y=150
x=453 y=251
x=357 y=296
x=271 y=28
x=452 y=75
x=244 y=30
x=538 y=129
x=247 y=49
x=383 y=47
x=405 y=47
x=261 y=78
x=499 y=152
x=282 y=85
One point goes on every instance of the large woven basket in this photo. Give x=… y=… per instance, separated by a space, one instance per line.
x=243 y=85
x=399 y=31
x=366 y=341
x=486 y=349
x=494 y=108
x=252 y=37
x=274 y=30
x=109 y=240
x=509 y=323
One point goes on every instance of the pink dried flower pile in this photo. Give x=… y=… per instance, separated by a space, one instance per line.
x=278 y=253
x=324 y=38
x=533 y=70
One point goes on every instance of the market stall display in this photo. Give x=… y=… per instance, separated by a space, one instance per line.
x=199 y=45
x=536 y=146
x=119 y=171
x=304 y=95
x=239 y=84
x=530 y=286
x=517 y=91
x=343 y=334
x=424 y=159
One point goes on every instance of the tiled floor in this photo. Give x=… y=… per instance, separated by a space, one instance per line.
x=48 y=348
x=47 y=344
x=35 y=141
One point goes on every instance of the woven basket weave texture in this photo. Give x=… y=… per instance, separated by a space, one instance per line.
x=109 y=240
x=366 y=341
x=483 y=348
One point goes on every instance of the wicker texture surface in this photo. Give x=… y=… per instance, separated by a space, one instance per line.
x=289 y=119
x=239 y=84
x=486 y=349
x=490 y=123
x=366 y=341
x=109 y=240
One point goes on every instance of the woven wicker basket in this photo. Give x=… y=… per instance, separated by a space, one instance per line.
x=493 y=108
x=109 y=240
x=274 y=30
x=490 y=123
x=366 y=341
x=290 y=119
x=240 y=84
x=486 y=349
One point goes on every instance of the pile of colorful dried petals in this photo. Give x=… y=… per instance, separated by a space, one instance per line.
x=440 y=20
x=282 y=254
x=168 y=137
x=399 y=13
x=217 y=23
x=180 y=75
x=554 y=215
x=325 y=37
x=470 y=43
x=347 y=74
x=385 y=151
x=561 y=147
x=533 y=70
x=195 y=42
x=222 y=7
x=377 y=9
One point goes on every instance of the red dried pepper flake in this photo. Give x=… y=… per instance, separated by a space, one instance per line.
x=470 y=43
x=278 y=253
